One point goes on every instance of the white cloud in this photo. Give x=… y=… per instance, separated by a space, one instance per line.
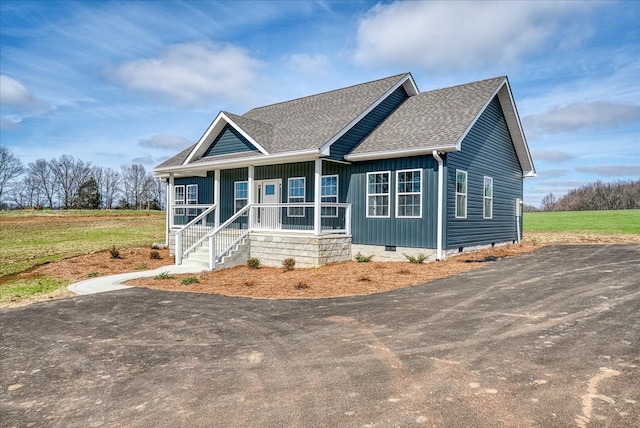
x=553 y=173
x=145 y=160
x=611 y=170
x=13 y=94
x=449 y=36
x=171 y=142
x=551 y=156
x=193 y=74
x=583 y=115
x=309 y=64
x=8 y=124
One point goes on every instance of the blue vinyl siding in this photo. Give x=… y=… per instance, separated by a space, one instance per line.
x=205 y=187
x=229 y=141
x=487 y=150
x=227 y=179
x=402 y=232
x=358 y=132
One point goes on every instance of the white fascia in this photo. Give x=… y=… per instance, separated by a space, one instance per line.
x=203 y=167
x=409 y=86
x=212 y=132
x=397 y=153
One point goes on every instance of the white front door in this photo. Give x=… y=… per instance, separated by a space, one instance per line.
x=268 y=192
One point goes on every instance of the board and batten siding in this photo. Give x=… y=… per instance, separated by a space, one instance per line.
x=205 y=187
x=391 y=231
x=229 y=141
x=359 y=131
x=487 y=150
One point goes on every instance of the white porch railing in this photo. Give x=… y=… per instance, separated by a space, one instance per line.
x=192 y=234
x=282 y=217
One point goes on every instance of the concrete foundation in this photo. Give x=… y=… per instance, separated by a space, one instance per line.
x=381 y=253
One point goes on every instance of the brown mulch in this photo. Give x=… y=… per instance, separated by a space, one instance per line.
x=335 y=280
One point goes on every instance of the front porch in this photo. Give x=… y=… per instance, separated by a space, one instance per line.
x=270 y=232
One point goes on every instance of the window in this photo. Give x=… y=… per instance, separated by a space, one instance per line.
x=240 y=195
x=409 y=193
x=329 y=193
x=192 y=198
x=296 y=196
x=178 y=199
x=461 y=194
x=378 y=194
x=488 y=198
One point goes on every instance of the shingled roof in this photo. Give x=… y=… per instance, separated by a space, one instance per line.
x=433 y=120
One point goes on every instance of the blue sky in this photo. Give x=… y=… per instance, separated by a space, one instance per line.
x=120 y=82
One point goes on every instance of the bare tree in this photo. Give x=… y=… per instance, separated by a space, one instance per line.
x=548 y=202
x=10 y=168
x=136 y=184
x=41 y=176
x=108 y=182
x=69 y=175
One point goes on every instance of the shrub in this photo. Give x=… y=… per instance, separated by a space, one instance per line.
x=417 y=260
x=143 y=266
x=189 y=280
x=253 y=263
x=155 y=247
x=115 y=253
x=363 y=259
x=288 y=264
x=154 y=254
x=163 y=275
x=92 y=274
x=301 y=286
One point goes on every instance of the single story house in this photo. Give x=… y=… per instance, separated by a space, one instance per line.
x=378 y=168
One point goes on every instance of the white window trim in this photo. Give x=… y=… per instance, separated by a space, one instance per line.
x=236 y=199
x=388 y=194
x=181 y=201
x=304 y=196
x=485 y=197
x=398 y=193
x=190 y=211
x=331 y=196
x=466 y=193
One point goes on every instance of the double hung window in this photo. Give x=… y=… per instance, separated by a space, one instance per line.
x=296 y=196
x=409 y=194
x=378 y=189
x=461 y=194
x=488 y=198
x=178 y=198
x=192 y=199
x=240 y=195
x=329 y=194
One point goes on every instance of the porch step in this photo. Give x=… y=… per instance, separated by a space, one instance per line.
x=200 y=257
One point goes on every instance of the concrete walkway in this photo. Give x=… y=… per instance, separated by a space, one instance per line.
x=102 y=284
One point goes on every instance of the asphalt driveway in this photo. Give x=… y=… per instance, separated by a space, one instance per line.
x=550 y=338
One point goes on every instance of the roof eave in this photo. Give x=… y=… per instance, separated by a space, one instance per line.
x=194 y=168
x=389 y=154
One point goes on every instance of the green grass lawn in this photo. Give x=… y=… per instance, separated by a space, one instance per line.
x=605 y=222
x=31 y=238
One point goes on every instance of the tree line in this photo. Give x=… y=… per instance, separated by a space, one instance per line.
x=619 y=195
x=70 y=183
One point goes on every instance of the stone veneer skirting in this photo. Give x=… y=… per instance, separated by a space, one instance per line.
x=307 y=250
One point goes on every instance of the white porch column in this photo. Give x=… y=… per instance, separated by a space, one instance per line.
x=250 y=194
x=317 y=197
x=171 y=200
x=167 y=201
x=216 y=196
